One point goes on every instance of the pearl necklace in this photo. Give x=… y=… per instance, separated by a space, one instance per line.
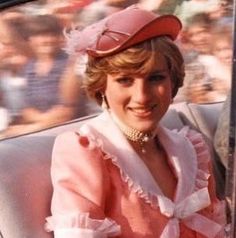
x=134 y=135
x=137 y=136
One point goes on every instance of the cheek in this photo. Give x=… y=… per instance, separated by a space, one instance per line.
x=165 y=90
x=115 y=97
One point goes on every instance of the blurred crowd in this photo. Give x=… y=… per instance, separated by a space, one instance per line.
x=40 y=85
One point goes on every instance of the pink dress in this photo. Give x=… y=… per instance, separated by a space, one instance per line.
x=103 y=189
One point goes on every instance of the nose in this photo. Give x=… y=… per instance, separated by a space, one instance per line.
x=142 y=92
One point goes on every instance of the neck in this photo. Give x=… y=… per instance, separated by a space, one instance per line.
x=139 y=139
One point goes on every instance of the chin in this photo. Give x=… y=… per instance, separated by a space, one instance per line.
x=145 y=128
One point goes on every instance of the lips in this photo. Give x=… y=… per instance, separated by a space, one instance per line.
x=142 y=111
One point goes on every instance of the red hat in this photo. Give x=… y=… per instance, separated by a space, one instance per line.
x=122 y=30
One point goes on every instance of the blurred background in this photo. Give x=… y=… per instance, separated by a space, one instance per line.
x=40 y=86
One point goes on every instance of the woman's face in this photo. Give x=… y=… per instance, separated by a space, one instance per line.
x=140 y=101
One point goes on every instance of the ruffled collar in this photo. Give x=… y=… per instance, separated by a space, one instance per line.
x=180 y=152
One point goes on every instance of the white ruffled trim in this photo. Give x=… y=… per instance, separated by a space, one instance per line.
x=106 y=226
x=148 y=197
x=203 y=158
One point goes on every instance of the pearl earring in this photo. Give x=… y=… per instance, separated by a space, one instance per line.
x=104 y=102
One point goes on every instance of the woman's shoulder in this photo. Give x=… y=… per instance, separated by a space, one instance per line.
x=191 y=146
x=198 y=142
x=77 y=138
x=202 y=156
x=75 y=146
x=195 y=138
x=185 y=137
x=191 y=143
x=74 y=154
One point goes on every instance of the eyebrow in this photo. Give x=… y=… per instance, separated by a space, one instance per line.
x=148 y=73
x=158 y=71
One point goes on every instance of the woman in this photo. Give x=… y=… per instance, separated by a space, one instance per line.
x=122 y=174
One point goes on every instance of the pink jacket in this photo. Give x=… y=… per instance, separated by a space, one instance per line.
x=103 y=189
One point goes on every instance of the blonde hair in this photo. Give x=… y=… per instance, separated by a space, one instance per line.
x=139 y=59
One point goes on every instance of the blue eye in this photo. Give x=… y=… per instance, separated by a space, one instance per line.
x=124 y=81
